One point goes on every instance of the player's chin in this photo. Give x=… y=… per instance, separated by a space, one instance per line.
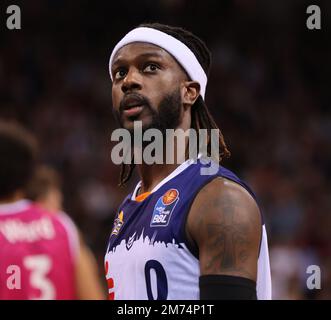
x=141 y=121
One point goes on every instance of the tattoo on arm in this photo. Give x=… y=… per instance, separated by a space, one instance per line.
x=228 y=240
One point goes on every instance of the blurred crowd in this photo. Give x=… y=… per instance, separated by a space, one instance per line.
x=269 y=91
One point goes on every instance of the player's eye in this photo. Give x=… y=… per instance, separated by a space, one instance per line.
x=120 y=73
x=150 y=67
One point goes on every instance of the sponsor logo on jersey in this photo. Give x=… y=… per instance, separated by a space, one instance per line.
x=164 y=208
x=118 y=223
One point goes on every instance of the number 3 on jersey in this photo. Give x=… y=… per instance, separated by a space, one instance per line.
x=39 y=266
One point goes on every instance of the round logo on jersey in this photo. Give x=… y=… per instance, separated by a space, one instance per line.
x=170 y=196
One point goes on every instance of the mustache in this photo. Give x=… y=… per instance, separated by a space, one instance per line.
x=138 y=99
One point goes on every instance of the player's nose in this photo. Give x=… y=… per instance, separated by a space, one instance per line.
x=132 y=81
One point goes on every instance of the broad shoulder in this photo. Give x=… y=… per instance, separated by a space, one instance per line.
x=224 y=193
x=225 y=223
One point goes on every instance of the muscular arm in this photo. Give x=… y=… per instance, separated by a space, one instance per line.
x=224 y=222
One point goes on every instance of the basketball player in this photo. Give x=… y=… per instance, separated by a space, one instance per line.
x=179 y=234
x=45 y=189
x=39 y=251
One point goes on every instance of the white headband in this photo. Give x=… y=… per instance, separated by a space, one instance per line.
x=176 y=48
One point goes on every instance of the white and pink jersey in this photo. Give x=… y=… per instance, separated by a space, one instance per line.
x=37 y=253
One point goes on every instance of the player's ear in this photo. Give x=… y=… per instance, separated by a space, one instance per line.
x=191 y=93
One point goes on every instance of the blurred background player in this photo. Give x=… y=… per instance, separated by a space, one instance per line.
x=45 y=188
x=41 y=255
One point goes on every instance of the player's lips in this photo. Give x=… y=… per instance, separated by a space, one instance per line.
x=132 y=105
x=133 y=111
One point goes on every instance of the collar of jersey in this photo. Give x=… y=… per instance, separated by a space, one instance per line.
x=173 y=174
x=14 y=207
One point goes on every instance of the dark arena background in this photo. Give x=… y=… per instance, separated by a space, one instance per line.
x=269 y=90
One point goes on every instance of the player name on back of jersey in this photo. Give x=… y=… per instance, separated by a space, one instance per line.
x=15 y=230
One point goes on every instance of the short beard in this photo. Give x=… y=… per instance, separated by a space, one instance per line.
x=168 y=115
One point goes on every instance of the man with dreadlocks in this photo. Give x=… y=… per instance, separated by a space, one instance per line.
x=180 y=234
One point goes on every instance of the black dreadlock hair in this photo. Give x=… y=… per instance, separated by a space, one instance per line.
x=201 y=117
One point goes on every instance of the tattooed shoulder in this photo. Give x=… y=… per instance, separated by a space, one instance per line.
x=225 y=223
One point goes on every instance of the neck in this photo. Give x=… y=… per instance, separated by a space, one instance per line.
x=16 y=196
x=151 y=175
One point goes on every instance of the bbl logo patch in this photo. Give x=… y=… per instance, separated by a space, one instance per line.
x=117 y=224
x=163 y=208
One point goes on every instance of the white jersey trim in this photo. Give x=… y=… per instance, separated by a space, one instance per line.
x=263 y=282
x=173 y=174
x=15 y=207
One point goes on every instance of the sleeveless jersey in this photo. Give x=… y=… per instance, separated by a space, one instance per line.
x=37 y=253
x=148 y=255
